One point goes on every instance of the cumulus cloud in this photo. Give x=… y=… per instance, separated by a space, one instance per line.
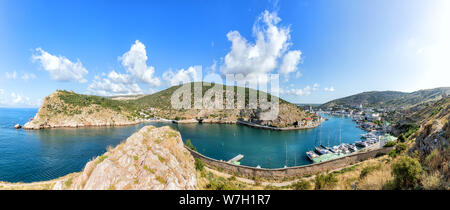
x=61 y=68
x=17 y=100
x=12 y=75
x=290 y=62
x=329 y=89
x=135 y=62
x=261 y=57
x=191 y=74
x=114 y=84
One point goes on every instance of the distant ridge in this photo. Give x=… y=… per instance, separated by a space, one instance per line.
x=394 y=99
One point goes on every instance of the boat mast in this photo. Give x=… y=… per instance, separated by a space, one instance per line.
x=285 y=152
x=295 y=158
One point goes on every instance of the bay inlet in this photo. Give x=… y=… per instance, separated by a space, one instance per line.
x=39 y=155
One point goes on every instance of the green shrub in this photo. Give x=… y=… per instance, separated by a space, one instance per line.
x=301 y=185
x=436 y=111
x=367 y=170
x=220 y=183
x=199 y=165
x=189 y=144
x=325 y=181
x=102 y=158
x=409 y=129
x=232 y=178
x=398 y=150
x=406 y=172
x=401 y=147
x=390 y=144
x=393 y=153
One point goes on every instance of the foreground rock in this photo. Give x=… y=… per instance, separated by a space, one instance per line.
x=150 y=159
x=17 y=126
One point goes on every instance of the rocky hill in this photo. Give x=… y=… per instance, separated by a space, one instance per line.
x=68 y=109
x=392 y=99
x=150 y=159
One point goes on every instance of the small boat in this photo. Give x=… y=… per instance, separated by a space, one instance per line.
x=352 y=148
x=336 y=149
x=328 y=148
x=321 y=151
x=311 y=155
x=361 y=144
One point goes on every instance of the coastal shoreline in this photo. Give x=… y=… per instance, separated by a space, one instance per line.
x=254 y=125
x=190 y=121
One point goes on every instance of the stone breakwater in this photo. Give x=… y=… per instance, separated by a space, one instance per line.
x=150 y=159
x=280 y=173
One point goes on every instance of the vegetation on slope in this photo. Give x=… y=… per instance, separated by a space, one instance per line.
x=393 y=99
x=159 y=105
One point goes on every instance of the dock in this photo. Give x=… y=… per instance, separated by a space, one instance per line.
x=236 y=159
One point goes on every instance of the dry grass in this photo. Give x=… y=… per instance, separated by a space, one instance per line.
x=374 y=179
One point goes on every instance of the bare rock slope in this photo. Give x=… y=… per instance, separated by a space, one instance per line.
x=152 y=158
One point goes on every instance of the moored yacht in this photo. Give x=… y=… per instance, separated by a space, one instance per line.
x=311 y=155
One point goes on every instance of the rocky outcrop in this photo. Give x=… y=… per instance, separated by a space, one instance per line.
x=435 y=129
x=152 y=158
x=433 y=136
x=55 y=113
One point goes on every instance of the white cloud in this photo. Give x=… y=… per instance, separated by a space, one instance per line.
x=114 y=84
x=191 y=74
x=134 y=61
x=315 y=86
x=61 y=68
x=28 y=76
x=290 y=62
x=12 y=75
x=213 y=66
x=120 y=78
x=262 y=57
x=300 y=92
x=16 y=100
x=330 y=89
x=306 y=91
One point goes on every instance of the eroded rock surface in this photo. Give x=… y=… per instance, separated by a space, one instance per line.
x=152 y=158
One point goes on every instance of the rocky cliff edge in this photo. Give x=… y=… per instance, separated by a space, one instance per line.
x=150 y=159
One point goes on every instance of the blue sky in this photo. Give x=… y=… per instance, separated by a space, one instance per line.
x=323 y=50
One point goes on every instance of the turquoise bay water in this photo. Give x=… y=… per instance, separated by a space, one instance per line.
x=29 y=156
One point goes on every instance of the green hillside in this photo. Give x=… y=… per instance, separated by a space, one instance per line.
x=159 y=105
x=392 y=99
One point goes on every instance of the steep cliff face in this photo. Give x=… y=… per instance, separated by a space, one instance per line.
x=67 y=109
x=435 y=129
x=152 y=158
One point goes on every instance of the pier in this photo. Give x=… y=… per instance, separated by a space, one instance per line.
x=236 y=159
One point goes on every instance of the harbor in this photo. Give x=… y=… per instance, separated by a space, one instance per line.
x=376 y=136
x=260 y=148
